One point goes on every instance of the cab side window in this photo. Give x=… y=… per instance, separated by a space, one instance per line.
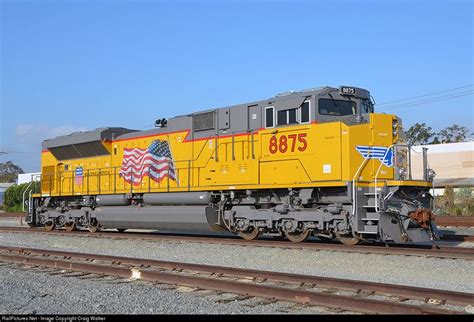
x=286 y=117
x=269 y=117
x=305 y=113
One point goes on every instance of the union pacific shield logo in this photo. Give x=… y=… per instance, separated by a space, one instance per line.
x=381 y=153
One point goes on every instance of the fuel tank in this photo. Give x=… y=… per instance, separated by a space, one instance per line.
x=188 y=218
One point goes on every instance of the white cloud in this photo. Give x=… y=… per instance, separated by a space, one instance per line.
x=34 y=134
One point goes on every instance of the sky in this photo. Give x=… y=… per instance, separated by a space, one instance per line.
x=78 y=65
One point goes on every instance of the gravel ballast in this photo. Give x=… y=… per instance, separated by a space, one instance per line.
x=438 y=273
x=41 y=293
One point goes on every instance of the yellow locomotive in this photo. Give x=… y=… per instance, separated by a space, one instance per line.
x=317 y=161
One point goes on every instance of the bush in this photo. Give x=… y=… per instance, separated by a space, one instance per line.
x=459 y=203
x=14 y=197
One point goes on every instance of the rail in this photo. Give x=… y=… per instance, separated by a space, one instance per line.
x=250 y=282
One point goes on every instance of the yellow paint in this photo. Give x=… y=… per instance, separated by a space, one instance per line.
x=315 y=155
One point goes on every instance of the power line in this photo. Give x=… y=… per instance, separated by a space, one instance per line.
x=424 y=95
x=430 y=100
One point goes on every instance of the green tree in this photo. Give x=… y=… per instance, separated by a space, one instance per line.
x=420 y=134
x=9 y=171
x=14 y=196
x=453 y=133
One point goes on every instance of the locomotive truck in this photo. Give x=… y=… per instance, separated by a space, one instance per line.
x=314 y=162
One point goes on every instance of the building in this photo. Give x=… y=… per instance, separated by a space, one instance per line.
x=3 y=188
x=28 y=177
x=452 y=162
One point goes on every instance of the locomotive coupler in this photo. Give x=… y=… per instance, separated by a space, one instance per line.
x=423 y=217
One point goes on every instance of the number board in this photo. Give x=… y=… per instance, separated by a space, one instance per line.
x=348 y=90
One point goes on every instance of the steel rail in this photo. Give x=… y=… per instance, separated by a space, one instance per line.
x=348 y=303
x=406 y=250
x=455 y=221
x=462 y=238
x=420 y=293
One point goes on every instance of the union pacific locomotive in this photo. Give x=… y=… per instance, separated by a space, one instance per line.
x=314 y=162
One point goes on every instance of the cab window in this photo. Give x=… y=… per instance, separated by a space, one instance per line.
x=336 y=107
x=286 y=117
x=305 y=112
x=269 y=116
x=366 y=106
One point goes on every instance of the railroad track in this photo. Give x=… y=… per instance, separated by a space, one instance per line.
x=445 y=221
x=459 y=238
x=275 y=286
x=406 y=250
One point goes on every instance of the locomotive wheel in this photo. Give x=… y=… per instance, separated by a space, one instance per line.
x=298 y=237
x=49 y=225
x=249 y=235
x=70 y=226
x=94 y=227
x=348 y=240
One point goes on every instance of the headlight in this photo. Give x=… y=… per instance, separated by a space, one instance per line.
x=395 y=127
x=402 y=173
x=431 y=174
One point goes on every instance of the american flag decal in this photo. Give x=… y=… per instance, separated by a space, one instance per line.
x=155 y=162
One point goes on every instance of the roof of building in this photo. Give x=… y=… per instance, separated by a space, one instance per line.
x=456 y=182
x=447 y=147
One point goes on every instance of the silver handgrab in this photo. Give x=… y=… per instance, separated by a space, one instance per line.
x=354 y=193
x=376 y=175
x=24 y=192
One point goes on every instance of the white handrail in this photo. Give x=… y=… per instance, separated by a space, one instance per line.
x=23 y=204
x=377 y=173
x=353 y=181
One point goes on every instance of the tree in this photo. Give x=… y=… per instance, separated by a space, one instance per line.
x=420 y=134
x=453 y=133
x=14 y=196
x=9 y=171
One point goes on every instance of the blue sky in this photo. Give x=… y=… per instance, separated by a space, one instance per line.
x=78 y=65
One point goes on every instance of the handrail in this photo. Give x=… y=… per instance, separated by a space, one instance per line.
x=377 y=173
x=354 y=194
x=380 y=167
x=30 y=203
x=23 y=203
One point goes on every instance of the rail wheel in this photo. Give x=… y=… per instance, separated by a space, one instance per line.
x=348 y=240
x=297 y=237
x=250 y=234
x=70 y=226
x=93 y=226
x=49 y=225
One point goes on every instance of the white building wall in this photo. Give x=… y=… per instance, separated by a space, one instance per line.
x=452 y=162
x=28 y=177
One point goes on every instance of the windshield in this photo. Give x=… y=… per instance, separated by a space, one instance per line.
x=336 y=107
x=366 y=106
